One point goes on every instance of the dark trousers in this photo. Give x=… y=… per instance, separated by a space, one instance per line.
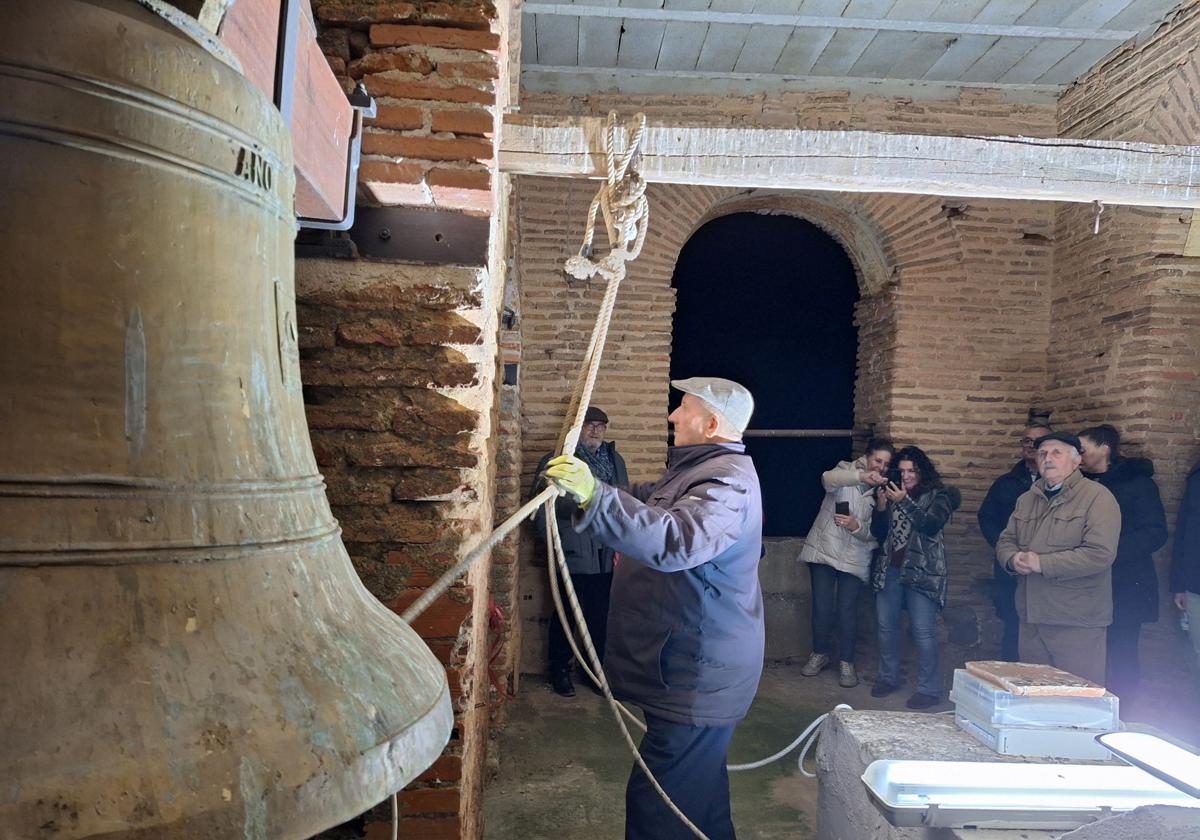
x=834 y=601
x=593 y=593
x=1004 y=598
x=689 y=763
x=1123 y=671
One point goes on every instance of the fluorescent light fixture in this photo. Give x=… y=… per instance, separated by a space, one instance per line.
x=1160 y=758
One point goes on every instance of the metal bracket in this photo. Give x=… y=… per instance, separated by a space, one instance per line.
x=418 y=234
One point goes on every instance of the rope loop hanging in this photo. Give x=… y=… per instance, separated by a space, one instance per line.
x=621 y=199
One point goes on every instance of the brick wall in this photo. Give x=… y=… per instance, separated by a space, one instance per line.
x=435 y=70
x=1125 y=337
x=951 y=353
x=952 y=314
x=971 y=311
x=401 y=362
x=976 y=111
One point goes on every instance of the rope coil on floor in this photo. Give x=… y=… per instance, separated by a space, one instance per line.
x=621 y=200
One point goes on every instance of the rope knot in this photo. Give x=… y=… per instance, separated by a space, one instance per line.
x=622 y=200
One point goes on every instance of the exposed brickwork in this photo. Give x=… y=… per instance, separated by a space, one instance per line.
x=1125 y=347
x=952 y=325
x=400 y=361
x=402 y=364
x=958 y=297
x=974 y=112
x=414 y=59
x=399 y=369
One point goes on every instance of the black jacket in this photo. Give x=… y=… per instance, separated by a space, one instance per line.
x=1001 y=501
x=585 y=554
x=925 y=569
x=1185 y=557
x=997 y=507
x=1143 y=531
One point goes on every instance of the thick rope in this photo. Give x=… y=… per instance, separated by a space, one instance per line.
x=623 y=193
x=622 y=200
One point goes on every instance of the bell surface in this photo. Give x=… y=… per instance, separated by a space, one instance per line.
x=187 y=651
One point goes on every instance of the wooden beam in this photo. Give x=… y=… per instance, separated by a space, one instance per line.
x=1002 y=30
x=321 y=118
x=1136 y=174
x=569 y=80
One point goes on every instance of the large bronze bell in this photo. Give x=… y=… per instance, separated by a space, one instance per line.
x=185 y=649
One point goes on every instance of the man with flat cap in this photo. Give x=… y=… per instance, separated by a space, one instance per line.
x=685 y=631
x=1060 y=542
x=589 y=561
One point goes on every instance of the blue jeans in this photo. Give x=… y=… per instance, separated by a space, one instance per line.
x=922 y=622
x=834 y=600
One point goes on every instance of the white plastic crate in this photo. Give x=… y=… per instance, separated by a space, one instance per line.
x=1037 y=742
x=989 y=704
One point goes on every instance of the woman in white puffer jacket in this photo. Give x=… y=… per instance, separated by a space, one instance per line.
x=838 y=552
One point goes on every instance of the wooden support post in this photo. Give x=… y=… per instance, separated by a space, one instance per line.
x=320 y=115
x=1046 y=169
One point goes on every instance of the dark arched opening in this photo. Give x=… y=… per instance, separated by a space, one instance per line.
x=769 y=302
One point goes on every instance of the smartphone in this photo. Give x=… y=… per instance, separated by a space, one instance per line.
x=893 y=477
x=841 y=508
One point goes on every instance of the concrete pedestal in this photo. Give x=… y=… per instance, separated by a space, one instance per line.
x=852 y=740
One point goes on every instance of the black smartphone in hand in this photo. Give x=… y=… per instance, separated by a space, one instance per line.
x=841 y=508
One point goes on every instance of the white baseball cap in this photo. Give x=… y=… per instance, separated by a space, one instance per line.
x=724 y=396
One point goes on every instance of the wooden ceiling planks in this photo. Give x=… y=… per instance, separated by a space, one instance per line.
x=681 y=45
x=1024 y=48
x=558 y=40
x=722 y=46
x=1038 y=61
x=764 y=45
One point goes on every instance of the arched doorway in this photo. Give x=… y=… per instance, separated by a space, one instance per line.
x=768 y=300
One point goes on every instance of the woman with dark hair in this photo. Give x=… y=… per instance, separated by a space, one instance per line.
x=838 y=553
x=1143 y=531
x=910 y=570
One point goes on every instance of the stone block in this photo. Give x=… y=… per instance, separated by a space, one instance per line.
x=788 y=626
x=780 y=571
x=962 y=625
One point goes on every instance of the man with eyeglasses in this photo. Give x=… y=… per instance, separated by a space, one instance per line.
x=589 y=561
x=997 y=507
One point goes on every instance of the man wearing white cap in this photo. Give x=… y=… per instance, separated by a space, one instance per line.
x=685 y=628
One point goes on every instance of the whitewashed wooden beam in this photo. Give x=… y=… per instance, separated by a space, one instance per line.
x=1139 y=174
x=815 y=22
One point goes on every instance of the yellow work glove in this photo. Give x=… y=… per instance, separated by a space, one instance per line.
x=572 y=475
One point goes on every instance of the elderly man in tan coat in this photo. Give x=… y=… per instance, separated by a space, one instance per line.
x=1061 y=541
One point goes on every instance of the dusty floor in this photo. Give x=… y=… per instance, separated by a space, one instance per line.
x=563 y=763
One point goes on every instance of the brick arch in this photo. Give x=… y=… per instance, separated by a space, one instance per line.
x=842 y=216
x=836 y=214
x=889 y=239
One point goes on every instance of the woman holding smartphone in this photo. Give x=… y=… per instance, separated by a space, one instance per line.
x=838 y=553
x=911 y=511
